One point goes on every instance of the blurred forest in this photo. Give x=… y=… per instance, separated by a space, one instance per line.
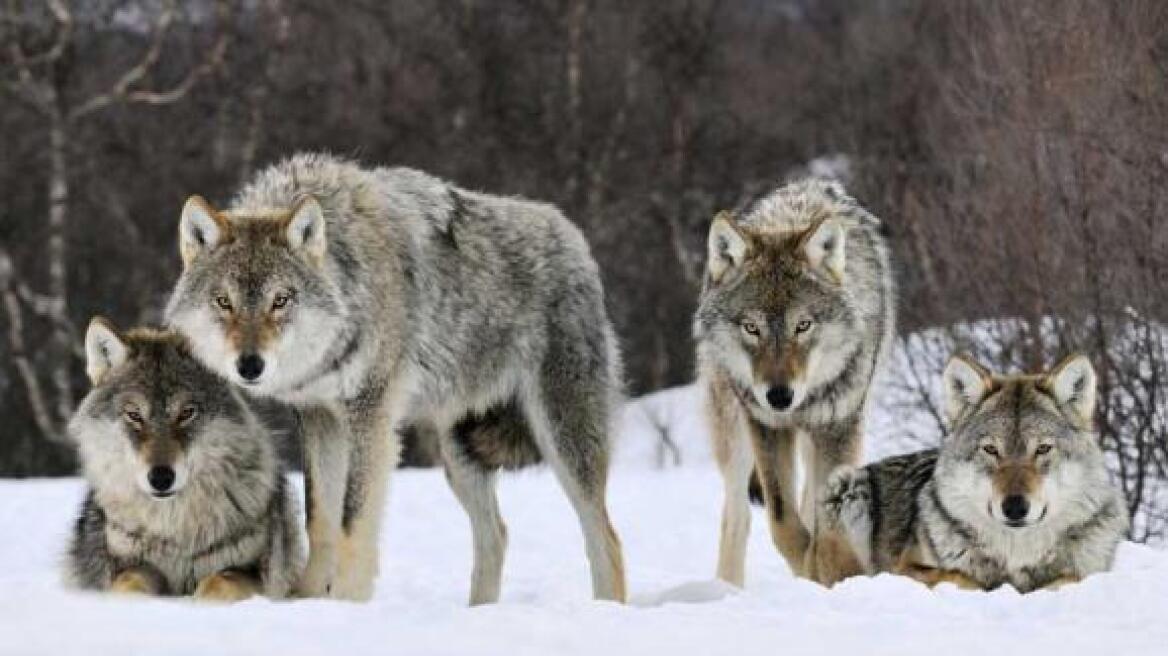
x=1017 y=149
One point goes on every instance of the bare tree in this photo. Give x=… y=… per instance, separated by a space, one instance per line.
x=37 y=79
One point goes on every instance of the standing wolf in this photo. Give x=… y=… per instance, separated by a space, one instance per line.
x=186 y=495
x=794 y=320
x=1018 y=492
x=379 y=300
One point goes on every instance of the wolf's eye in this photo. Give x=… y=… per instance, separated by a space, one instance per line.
x=1043 y=449
x=750 y=328
x=990 y=449
x=133 y=416
x=281 y=301
x=222 y=302
x=803 y=326
x=188 y=413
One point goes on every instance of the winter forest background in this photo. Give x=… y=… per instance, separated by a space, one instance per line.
x=1017 y=150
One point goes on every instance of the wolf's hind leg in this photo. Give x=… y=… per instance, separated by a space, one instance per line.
x=139 y=580
x=326 y=463
x=570 y=426
x=474 y=486
x=735 y=460
x=228 y=586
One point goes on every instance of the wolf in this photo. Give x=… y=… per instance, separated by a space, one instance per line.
x=186 y=496
x=1018 y=492
x=379 y=301
x=794 y=320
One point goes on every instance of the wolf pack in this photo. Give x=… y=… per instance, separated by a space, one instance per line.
x=379 y=303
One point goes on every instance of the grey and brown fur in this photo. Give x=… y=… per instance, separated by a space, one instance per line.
x=794 y=321
x=1017 y=494
x=186 y=496
x=380 y=300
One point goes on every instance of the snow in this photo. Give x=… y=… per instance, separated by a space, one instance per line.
x=668 y=520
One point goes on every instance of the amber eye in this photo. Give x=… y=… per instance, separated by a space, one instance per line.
x=281 y=301
x=188 y=413
x=803 y=326
x=990 y=449
x=1043 y=449
x=222 y=302
x=751 y=328
x=133 y=416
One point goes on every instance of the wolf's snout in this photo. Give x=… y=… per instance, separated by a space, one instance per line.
x=161 y=478
x=1015 y=507
x=780 y=397
x=250 y=366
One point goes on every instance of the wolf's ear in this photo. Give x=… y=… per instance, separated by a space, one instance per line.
x=200 y=230
x=726 y=246
x=305 y=229
x=104 y=349
x=966 y=383
x=1072 y=384
x=823 y=246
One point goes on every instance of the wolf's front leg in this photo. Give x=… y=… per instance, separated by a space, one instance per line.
x=735 y=459
x=326 y=465
x=774 y=455
x=833 y=445
x=140 y=580
x=374 y=454
x=228 y=586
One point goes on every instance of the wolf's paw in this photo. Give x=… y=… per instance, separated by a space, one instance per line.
x=226 y=587
x=134 y=582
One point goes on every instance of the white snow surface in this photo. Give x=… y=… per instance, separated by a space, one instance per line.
x=668 y=520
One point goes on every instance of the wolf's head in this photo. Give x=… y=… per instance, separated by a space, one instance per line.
x=252 y=298
x=155 y=418
x=1021 y=449
x=775 y=312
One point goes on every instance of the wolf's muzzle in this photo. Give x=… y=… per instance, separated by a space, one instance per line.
x=250 y=366
x=1015 y=507
x=780 y=397
x=161 y=478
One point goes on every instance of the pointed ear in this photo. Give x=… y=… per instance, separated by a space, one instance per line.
x=200 y=230
x=104 y=349
x=966 y=383
x=1072 y=384
x=823 y=246
x=726 y=246
x=305 y=229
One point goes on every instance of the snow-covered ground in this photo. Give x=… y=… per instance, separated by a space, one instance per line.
x=668 y=520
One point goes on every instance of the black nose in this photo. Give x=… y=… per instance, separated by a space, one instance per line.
x=160 y=478
x=780 y=397
x=250 y=366
x=1015 y=507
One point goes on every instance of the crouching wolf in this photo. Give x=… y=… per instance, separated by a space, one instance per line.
x=382 y=300
x=794 y=319
x=186 y=496
x=1017 y=493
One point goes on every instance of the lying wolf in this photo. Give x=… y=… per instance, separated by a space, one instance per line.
x=186 y=495
x=1018 y=492
x=379 y=300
